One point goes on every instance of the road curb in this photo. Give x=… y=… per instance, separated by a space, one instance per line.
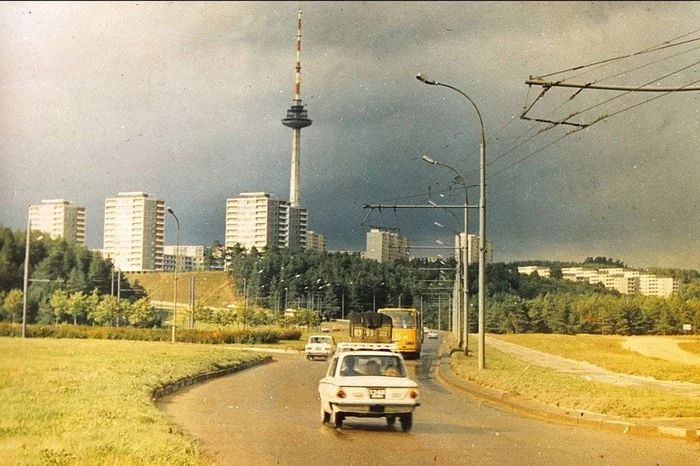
x=557 y=415
x=268 y=350
x=186 y=382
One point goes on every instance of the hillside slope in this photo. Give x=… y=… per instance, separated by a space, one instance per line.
x=212 y=288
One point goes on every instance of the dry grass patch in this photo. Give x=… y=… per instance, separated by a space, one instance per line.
x=213 y=288
x=88 y=402
x=528 y=382
x=607 y=352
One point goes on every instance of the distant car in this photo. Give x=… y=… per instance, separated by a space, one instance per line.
x=320 y=347
x=325 y=330
x=432 y=334
x=368 y=383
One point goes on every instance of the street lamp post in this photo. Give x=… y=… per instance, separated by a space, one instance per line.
x=26 y=277
x=482 y=217
x=177 y=253
x=464 y=334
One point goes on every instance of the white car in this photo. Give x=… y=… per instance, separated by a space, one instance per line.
x=320 y=346
x=432 y=334
x=368 y=383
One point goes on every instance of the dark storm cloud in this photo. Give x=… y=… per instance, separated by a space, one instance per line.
x=183 y=100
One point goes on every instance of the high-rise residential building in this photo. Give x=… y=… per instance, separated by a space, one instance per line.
x=473 y=248
x=315 y=241
x=385 y=246
x=134 y=232
x=261 y=220
x=186 y=257
x=60 y=219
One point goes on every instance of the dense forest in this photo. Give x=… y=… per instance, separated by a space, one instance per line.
x=69 y=283
x=334 y=284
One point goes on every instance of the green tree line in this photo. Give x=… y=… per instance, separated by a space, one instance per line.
x=59 y=272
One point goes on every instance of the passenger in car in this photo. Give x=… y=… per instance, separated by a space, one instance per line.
x=348 y=369
x=372 y=368
x=391 y=369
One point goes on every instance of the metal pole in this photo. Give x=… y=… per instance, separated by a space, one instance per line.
x=482 y=218
x=177 y=252
x=465 y=270
x=26 y=276
x=482 y=248
x=462 y=323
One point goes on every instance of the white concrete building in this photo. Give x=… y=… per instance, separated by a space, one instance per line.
x=530 y=269
x=260 y=220
x=60 y=219
x=385 y=246
x=134 y=232
x=315 y=241
x=651 y=285
x=187 y=257
x=626 y=281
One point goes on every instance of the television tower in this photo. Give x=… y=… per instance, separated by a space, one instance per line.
x=297 y=118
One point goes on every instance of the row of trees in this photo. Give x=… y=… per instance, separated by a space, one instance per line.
x=595 y=313
x=54 y=265
x=82 y=309
x=255 y=317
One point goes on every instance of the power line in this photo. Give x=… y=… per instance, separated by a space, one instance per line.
x=663 y=45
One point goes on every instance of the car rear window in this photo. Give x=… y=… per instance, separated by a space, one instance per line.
x=363 y=365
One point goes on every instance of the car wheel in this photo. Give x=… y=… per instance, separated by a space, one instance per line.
x=325 y=417
x=391 y=420
x=406 y=422
x=336 y=420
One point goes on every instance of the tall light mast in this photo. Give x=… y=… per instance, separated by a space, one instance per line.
x=297 y=118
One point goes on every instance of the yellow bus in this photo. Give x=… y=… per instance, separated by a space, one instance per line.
x=407 y=330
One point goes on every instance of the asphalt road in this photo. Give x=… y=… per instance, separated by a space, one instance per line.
x=270 y=415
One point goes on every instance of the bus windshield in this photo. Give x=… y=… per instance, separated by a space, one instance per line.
x=402 y=319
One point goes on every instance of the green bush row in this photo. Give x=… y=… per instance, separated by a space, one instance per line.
x=131 y=333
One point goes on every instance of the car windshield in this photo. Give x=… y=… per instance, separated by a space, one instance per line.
x=362 y=365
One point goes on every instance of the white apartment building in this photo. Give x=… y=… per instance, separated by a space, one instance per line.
x=260 y=220
x=186 y=257
x=315 y=241
x=60 y=219
x=652 y=285
x=385 y=246
x=134 y=232
x=473 y=248
x=530 y=269
x=624 y=280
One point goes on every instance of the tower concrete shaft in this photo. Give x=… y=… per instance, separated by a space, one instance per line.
x=297 y=118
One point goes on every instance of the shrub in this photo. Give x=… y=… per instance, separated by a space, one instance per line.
x=155 y=334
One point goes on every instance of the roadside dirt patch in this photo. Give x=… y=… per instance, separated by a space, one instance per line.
x=661 y=348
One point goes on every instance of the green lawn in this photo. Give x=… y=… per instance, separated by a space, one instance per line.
x=528 y=382
x=89 y=401
x=607 y=352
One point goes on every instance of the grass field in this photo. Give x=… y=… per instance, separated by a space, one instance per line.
x=607 y=352
x=88 y=402
x=507 y=373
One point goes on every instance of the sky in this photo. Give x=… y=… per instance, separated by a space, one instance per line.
x=184 y=101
